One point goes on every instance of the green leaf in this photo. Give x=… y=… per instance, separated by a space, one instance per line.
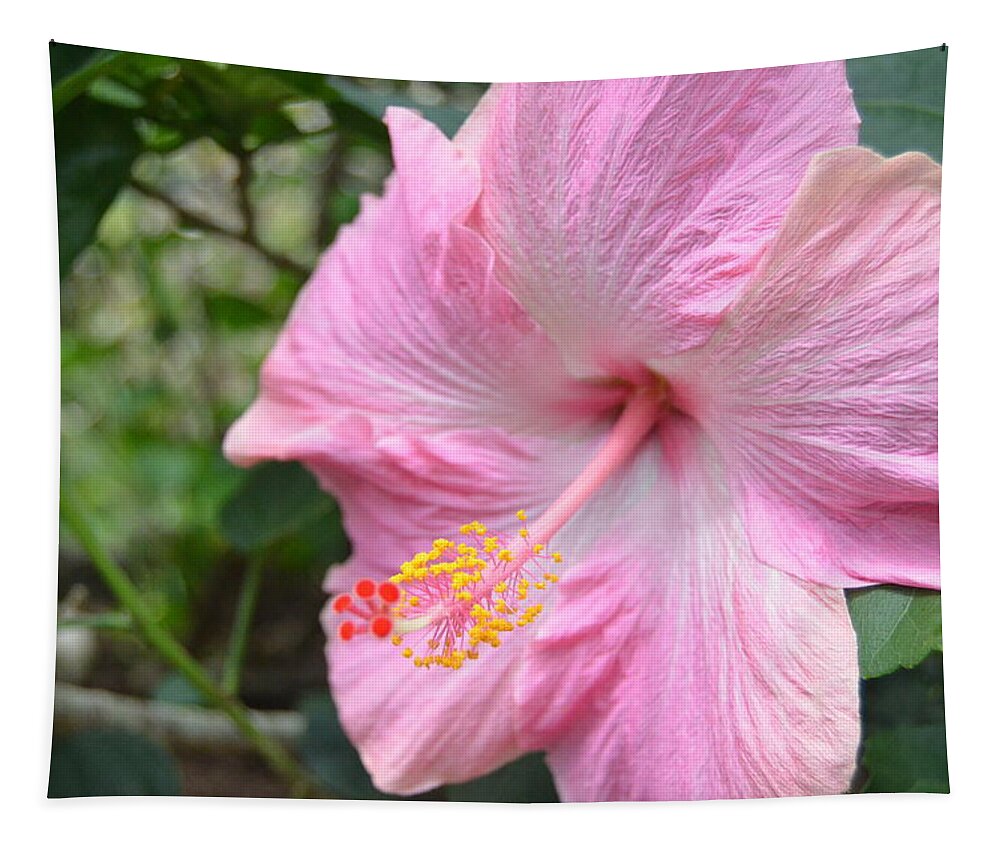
x=374 y=103
x=243 y=102
x=74 y=68
x=110 y=91
x=95 y=147
x=328 y=753
x=524 y=781
x=907 y=758
x=275 y=501
x=66 y=59
x=230 y=311
x=897 y=627
x=900 y=97
x=110 y=762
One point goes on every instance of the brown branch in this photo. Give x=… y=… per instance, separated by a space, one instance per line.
x=243 y=177
x=328 y=184
x=191 y=726
x=189 y=218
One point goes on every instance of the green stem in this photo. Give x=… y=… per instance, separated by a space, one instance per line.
x=115 y=621
x=301 y=784
x=233 y=665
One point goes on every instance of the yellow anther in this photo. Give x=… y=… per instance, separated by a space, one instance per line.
x=471 y=608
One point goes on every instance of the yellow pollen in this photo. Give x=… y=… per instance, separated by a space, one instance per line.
x=464 y=595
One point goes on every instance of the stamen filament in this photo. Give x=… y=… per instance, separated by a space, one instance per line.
x=631 y=428
x=461 y=596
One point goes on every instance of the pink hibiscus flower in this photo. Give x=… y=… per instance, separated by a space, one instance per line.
x=699 y=357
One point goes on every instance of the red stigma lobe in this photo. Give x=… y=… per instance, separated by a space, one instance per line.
x=376 y=616
x=389 y=592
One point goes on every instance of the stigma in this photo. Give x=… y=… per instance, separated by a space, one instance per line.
x=443 y=607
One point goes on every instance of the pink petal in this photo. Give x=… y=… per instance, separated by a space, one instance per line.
x=417 y=729
x=821 y=385
x=627 y=214
x=674 y=665
x=403 y=321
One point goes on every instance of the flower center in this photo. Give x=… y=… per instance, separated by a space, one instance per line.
x=460 y=596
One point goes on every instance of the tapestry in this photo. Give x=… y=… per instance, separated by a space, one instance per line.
x=532 y=442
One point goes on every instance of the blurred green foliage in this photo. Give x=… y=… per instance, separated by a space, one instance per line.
x=194 y=198
x=904 y=733
x=111 y=762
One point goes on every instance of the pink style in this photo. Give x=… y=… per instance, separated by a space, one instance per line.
x=686 y=334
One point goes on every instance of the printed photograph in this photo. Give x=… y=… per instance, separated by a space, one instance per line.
x=527 y=442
